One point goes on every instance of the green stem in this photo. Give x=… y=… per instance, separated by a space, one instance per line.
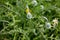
x=14 y=37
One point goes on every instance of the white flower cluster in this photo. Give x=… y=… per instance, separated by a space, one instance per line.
x=48 y=24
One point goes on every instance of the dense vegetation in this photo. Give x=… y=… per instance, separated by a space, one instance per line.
x=14 y=25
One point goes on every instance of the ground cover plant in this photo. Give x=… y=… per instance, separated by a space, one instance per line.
x=29 y=19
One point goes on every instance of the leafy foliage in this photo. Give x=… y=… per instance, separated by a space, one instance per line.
x=15 y=26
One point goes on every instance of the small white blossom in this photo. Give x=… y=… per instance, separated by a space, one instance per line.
x=47 y=25
x=55 y=22
x=29 y=15
x=34 y=2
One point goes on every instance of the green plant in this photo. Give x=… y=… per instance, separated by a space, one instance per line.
x=15 y=26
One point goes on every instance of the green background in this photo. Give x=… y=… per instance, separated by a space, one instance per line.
x=15 y=26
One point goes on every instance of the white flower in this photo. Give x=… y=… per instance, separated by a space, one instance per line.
x=55 y=22
x=34 y=2
x=29 y=15
x=47 y=25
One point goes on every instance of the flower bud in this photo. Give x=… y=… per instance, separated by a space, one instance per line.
x=47 y=25
x=34 y=2
x=29 y=15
